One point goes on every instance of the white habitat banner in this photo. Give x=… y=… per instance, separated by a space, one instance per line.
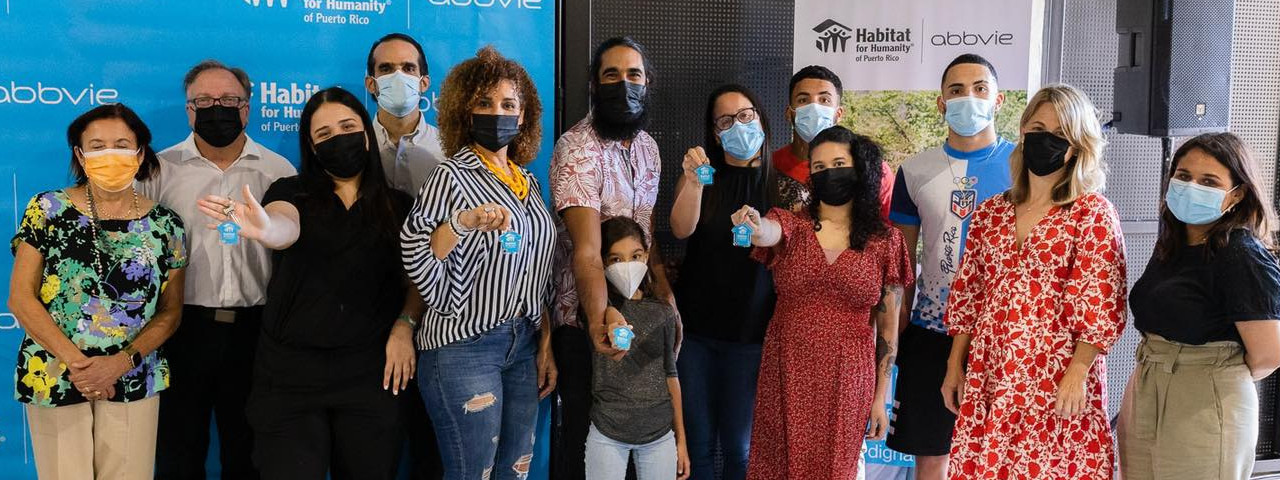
x=905 y=44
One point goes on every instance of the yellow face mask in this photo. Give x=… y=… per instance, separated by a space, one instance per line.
x=112 y=169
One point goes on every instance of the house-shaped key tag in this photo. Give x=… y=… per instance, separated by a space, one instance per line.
x=229 y=232
x=510 y=242
x=742 y=235
x=706 y=174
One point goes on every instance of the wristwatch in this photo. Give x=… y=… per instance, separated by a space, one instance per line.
x=135 y=358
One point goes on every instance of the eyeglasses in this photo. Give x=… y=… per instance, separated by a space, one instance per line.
x=227 y=101
x=746 y=115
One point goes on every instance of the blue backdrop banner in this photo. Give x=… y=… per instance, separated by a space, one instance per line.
x=61 y=58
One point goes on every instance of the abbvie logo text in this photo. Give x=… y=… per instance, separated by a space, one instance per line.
x=41 y=93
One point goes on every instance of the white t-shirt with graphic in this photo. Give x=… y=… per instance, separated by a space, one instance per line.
x=937 y=190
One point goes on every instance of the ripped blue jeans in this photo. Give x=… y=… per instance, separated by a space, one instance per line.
x=482 y=395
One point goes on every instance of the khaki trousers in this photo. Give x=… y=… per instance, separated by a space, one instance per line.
x=95 y=440
x=1189 y=412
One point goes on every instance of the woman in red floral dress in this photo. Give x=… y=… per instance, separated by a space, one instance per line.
x=1040 y=295
x=839 y=272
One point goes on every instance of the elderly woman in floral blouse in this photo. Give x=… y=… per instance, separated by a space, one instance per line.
x=97 y=286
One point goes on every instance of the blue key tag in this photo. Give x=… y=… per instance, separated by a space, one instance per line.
x=510 y=241
x=229 y=233
x=742 y=235
x=622 y=337
x=705 y=174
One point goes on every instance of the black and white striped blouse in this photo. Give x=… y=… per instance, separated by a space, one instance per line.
x=478 y=285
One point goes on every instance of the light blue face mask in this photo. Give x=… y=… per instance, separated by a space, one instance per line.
x=1195 y=204
x=743 y=140
x=812 y=119
x=398 y=93
x=969 y=115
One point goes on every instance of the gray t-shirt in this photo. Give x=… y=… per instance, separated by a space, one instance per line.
x=630 y=399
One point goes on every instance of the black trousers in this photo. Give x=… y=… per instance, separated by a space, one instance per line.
x=210 y=373
x=423 y=451
x=348 y=430
x=573 y=352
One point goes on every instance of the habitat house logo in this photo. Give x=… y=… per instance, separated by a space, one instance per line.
x=833 y=37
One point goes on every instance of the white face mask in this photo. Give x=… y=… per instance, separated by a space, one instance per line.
x=626 y=276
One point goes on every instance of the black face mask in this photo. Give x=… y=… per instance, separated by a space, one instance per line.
x=1044 y=153
x=835 y=186
x=620 y=106
x=218 y=125
x=343 y=156
x=493 y=132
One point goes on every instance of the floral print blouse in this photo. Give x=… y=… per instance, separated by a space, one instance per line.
x=100 y=315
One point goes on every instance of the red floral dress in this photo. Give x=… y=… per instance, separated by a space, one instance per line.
x=817 y=375
x=1025 y=309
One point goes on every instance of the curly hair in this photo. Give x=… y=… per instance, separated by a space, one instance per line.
x=462 y=90
x=865 y=222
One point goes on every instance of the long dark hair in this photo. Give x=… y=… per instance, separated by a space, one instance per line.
x=1251 y=214
x=767 y=178
x=612 y=231
x=373 y=182
x=865 y=222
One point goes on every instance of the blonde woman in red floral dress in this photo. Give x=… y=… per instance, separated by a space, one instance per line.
x=1039 y=298
x=839 y=271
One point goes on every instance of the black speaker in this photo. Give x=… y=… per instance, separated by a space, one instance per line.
x=1173 y=77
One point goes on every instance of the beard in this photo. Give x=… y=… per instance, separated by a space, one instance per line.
x=618 y=129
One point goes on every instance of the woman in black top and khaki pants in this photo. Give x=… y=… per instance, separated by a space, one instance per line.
x=1207 y=307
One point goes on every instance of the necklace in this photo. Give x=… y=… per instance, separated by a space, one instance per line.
x=967 y=182
x=94 y=231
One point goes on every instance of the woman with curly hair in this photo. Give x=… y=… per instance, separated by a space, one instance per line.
x=839 y=271
x=478 y=246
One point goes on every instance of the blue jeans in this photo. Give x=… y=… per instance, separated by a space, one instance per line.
x=607 y=458
x=482 y=395
x=718 y=383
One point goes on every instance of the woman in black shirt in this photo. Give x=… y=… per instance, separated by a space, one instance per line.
x=1207 y=307
x=725 y=298
x=337 y=336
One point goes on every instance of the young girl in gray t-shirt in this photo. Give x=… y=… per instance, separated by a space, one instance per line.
x=635 y=397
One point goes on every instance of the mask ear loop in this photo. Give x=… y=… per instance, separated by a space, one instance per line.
x=1233 y=206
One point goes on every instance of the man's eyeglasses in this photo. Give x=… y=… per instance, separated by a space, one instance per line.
x=227 y=101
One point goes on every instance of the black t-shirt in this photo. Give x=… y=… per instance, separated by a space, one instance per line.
x=335 y=293
x=1194 y=299
x=721 y=292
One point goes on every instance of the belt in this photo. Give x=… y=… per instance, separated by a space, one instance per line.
x=1167 y=354
x=220 y=315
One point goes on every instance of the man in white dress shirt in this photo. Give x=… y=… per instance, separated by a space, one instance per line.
x=211 y=354
x=397 y=76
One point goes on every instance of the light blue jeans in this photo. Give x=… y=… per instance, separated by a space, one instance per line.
x=482 y=395
x=607 y=458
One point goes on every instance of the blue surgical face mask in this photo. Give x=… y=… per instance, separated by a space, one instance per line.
x=1195 y=204
x=812 y=119
x=398 y=93
x=743 y=140
x=969 y=115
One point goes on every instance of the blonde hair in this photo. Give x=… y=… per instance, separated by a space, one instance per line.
x=1086 y=171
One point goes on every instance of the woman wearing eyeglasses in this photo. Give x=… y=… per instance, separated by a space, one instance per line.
x=725 y=298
